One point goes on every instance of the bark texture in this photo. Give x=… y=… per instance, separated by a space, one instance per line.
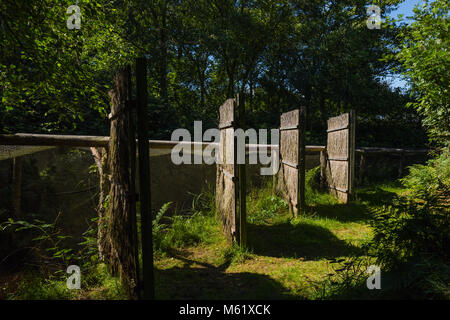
x=116 y=241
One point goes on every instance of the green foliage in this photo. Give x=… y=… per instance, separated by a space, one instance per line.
x=430 y=178
x=46 y=237
x=236 y=254
x=314 y=193
x=411 y=236
x=43 y=284
x=426 y=61
x=411 y=229
x=198 y=225
x=190 y=230
x=285 y=52
x=33 y=287
x=263 y=205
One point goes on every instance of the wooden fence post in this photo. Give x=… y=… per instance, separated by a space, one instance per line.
x=116 y=239
x=352 y=146
x=340 y=171
x=242 y=179
x=144 y=179
x=227 y=173
x=291 y=177
x=132 y=139
x=302 y=159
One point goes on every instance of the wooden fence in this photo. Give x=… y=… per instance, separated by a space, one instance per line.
x=337 y=165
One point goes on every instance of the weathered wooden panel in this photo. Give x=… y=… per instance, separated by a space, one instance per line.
x=226 y=190
x=288 y=185
x=227 y=154
x=288 y=150
x=227 y=113
x=289 y=119
x=337 y=145
x=290 y=178
x=341 y=155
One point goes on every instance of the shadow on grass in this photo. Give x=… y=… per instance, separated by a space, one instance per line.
x=375 y=196
x=356 y=211
x=303 y=240
x=208 y=282
x=352 y=212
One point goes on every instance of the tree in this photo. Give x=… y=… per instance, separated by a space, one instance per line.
x=426 y=63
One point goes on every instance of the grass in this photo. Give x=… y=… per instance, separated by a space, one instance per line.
x=97 y=284
x=286 y=258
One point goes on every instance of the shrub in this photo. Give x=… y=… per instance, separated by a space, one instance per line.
x=411 y=236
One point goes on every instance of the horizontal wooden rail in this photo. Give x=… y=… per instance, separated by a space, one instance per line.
x=9 y=152
x=394 y=151
x=50 y=140
x=28 y=139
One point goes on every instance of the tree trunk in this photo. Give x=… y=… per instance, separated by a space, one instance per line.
x=115 y=234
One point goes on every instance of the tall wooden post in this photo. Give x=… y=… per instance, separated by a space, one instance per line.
x=116 y=239
x=144 y=179
x=291 y=177
x=227 y=172
x=242 y=179
x=132 y=139
x=340 y=170
x=17 y=186
x=302 y=159
x=352 y=146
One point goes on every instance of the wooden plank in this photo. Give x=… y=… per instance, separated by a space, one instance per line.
x=46 y=141
x=144 y=180
x=53 y=140
x=290 y=182
x=351 y=154
x=393 y=151
x=133 y=196
x=302 y=159
x=226 y=189
x=242 y=180
x=227 y=112
x=340 y=156
x=14 y=151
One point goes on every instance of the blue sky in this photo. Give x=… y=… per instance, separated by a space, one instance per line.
x=405 y=8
